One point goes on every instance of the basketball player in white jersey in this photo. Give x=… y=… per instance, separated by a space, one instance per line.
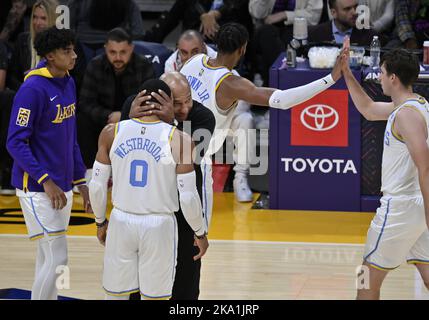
x=148 y=166
x=215 y=85
x=399 y=230
x=191 y=43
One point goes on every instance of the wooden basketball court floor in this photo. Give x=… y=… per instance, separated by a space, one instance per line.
x=253 y=254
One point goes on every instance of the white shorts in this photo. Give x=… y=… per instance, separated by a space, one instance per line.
x=40 y=218
x=140 y=254
x=397 y=233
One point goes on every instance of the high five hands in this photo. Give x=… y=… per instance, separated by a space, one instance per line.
x=342 y=63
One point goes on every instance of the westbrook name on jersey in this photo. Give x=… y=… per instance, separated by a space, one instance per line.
x=143 y=168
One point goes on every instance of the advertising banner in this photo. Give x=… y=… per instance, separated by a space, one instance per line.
x=315 y=147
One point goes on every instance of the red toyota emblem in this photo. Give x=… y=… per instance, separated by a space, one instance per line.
x=322 y=120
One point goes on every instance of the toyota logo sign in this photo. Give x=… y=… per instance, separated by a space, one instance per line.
x=319 y=117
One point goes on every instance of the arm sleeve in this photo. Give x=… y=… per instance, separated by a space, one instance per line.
x=88 y=97
x=98 y=190
x=26 y=111
x=286 y=99
x=190 y=202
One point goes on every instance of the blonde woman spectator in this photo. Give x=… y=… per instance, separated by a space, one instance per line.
x=24 y=56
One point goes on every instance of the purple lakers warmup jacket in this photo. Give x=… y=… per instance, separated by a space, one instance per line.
x=42 y=137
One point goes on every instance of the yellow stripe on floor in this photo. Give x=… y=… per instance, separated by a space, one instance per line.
x=231 y=221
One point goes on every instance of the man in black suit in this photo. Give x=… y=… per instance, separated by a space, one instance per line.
x=343 y=23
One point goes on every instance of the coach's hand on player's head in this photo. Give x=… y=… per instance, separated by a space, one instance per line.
x=55 y=194
x=138 y=106
x=202 y=244
x=142 y=107
x=163 y=109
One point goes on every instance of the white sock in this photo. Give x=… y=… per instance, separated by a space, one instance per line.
x=55 y=254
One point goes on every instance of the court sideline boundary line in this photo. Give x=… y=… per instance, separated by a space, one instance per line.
x=6 y=235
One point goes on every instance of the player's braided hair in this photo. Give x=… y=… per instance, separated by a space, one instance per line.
x=231 y=36
x=52 y=39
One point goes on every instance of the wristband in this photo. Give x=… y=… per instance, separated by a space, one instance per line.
x=100 y=225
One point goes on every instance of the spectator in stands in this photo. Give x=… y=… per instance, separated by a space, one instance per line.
x=92 y=19
x=24 y=56
x=11 y=17
x=382 y=14
x=189 y=44
x=203 y=15
x=412 y=24
x=109 y=79
x=6 y=98
x=344 y=23
x=274 y=26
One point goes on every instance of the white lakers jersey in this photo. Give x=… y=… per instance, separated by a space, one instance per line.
x=143 y=168
x=399 y=173
x=204 y=81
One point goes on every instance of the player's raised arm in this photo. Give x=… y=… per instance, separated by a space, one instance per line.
x=412 y=127
x=238 y=88
x=190 y=202
x=370 y=109
x=100 y=177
